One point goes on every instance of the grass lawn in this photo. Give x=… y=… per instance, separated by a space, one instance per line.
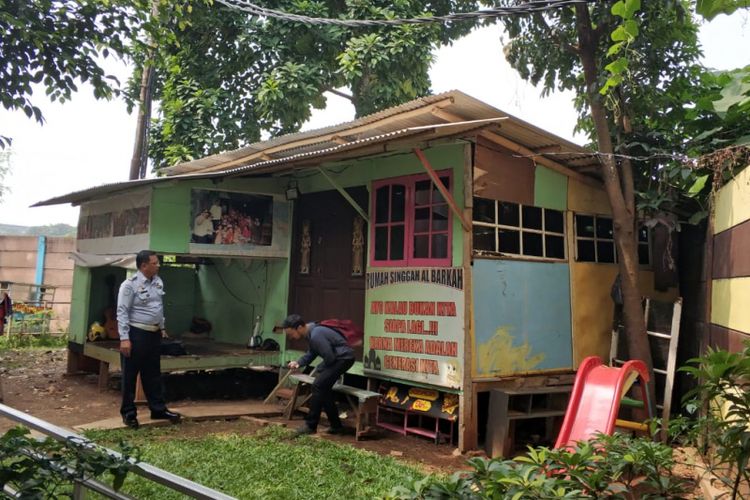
x=270 y=464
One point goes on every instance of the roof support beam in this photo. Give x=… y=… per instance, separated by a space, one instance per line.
x=348 y=198
x=438 y=184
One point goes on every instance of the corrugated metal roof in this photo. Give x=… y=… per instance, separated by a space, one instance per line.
x=452 y=114
x=431 y=110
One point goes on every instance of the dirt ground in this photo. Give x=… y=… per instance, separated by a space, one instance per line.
x=34 y=381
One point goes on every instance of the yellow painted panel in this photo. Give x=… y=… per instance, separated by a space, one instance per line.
x=587 y=199
x=729 y=303
x=592 y=309
x=733 y=202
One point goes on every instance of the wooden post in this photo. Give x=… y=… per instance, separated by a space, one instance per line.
x=439 y=185
x=467 y=430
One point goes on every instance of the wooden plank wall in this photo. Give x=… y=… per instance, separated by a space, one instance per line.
x=18 y=256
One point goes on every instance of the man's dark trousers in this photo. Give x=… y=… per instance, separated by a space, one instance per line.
x=323 y=396
x=144 y=359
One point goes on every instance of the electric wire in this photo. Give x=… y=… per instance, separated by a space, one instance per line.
x=531 y=7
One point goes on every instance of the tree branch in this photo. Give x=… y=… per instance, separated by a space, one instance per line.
x=339 y=93
x=555 y=35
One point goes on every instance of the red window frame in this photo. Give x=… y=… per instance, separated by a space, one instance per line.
x=410 y=207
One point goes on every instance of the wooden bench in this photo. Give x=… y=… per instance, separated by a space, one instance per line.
x=363 y=402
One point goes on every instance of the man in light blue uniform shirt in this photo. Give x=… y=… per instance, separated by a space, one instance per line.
x=140 y=323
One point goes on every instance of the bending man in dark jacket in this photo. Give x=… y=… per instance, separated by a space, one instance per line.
x=337 y=356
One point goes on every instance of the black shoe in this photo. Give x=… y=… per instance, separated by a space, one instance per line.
x=166 y=415
x=336 y=431
x=130 y=421
x=304 y=430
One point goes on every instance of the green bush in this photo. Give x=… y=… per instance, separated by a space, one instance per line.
x=607 y=466
x=48 y=468
x=721 y=402
x=44 y=341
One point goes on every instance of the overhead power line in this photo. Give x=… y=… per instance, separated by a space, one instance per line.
x=526 y=8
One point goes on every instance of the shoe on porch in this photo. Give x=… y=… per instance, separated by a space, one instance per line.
x=336 y=431
x=166 y=415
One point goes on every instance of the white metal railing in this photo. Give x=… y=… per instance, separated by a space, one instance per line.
x=155 y=474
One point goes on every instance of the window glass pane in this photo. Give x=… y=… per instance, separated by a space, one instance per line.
x=437 y=197
x=484 y=238
x=554 y=246
x=439 y=246
x=381 y=243
x=554 y=221
x=532 y=244
x=643 y=234
x=382 y=199
x=398 y=203
x=440 y=218
x=421 y=220
x=586 y=251
x=509 y=241
x=532 y=217
x=422 y=192
x=604 y=228
x=605 y=251
x=585 y=227
x=643 y=254
x=484 y=210
x=422 y=246
x=507 y=214
x=397 y=243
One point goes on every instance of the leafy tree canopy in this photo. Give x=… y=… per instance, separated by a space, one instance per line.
x=228 y=76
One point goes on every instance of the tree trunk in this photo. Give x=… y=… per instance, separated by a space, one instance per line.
x=140 y=147
x=620 y=193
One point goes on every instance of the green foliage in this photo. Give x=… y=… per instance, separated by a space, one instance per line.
x=268 y=465
x=56 y=43
x=723 y=393
x=42 y=341
x=226 y=76
x=48 y=468
x=712 y=8
x=606 y=467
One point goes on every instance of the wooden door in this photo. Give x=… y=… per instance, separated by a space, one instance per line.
x=331 y=284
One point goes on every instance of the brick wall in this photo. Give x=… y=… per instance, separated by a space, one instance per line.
x=18 y=256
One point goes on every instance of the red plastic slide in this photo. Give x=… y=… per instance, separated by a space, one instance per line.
x=595 y=400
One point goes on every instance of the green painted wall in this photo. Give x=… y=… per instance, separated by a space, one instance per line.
x=276 y=299
x=550 y=189
x=230 y=292
x=179 y=298
x=79 y=305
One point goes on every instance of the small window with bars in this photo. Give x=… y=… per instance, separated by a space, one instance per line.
x=505 y=228
x=595 y=240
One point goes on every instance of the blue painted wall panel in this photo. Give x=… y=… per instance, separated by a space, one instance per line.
x=521 y=316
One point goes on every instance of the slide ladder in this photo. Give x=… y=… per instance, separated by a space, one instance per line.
x=595 y=400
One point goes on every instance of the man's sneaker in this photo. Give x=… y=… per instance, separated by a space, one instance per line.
x=336 y=431
x=304 y=430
